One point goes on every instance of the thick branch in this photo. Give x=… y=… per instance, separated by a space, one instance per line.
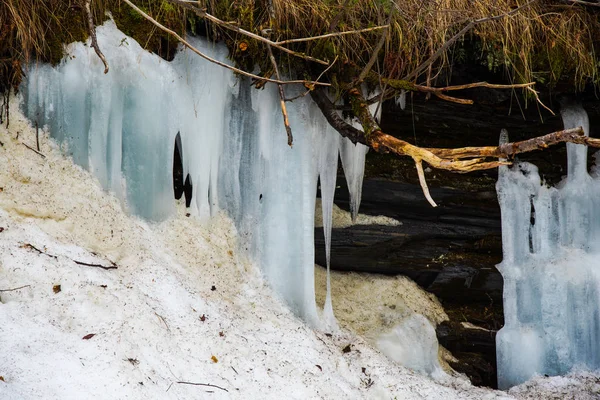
x=399 y=84
x=192 y=48
x=574 y=135
x=448 y=159
x=333 y=117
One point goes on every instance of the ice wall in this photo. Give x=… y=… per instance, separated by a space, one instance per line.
x=551 y=267
x=122 y=126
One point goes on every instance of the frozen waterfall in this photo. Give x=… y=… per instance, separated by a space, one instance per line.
x=551 y=267
x=122 y=126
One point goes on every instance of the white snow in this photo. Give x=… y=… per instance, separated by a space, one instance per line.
x=551 y=268
x=147 y=314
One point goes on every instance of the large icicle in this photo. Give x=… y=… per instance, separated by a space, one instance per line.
x=353 y=162
x=328 y=163
x=551 y=268
x=123 y=125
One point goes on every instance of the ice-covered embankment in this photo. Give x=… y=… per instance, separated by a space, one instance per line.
x=181 y=293
x=551 y=267
x=123 y=126
x=182 y=305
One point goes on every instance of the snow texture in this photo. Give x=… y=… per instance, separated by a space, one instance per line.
x=181 y=294
x=122 y=127
x=551 y=267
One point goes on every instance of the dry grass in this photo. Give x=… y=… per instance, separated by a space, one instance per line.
x=543 y=41
x=546 y=41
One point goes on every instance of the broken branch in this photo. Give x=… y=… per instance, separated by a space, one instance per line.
x=203 y=384
x=34 y=150
x=306 y=39
x=574 y=135
x=476 y=158
x=13 y=289
x=95 y=265
x=93 y=38
x=286 y=121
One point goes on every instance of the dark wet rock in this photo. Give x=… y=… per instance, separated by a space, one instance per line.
x=450 y=251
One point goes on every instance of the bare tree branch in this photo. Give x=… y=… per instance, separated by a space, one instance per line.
x=465 y=159
x=306 y=39
x=93 y=38
x=286 y=121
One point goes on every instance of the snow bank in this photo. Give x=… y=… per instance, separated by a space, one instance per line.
x=180 y=295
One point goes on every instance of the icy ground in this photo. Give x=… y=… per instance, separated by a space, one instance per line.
x=183 y=305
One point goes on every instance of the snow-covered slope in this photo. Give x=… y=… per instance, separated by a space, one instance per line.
x=182 y=305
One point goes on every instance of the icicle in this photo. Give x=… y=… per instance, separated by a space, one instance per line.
x=353 y=162
x=328 y=163
x=401 y=99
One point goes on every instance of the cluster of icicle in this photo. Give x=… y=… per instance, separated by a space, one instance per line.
x=123 y=126
x=551 y=267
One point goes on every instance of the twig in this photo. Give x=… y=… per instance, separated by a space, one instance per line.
x=286 y=121
x=93 y=38
x=222 y=64
x=317 y=80
x=452 y=99
x=203 y=384
x=585 y=3
x=203 y=14
x=375 y=54
x=13 y=289
x=163 y=320
x=34 y=150
x=331 y=35
x=423 y=182
x=417 y=71
x=94 y=265
x=32 y=247
x=537 y=98
x=37 y=136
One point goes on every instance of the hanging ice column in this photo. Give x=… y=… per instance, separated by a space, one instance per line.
x=123 y=125
x=551 y=267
